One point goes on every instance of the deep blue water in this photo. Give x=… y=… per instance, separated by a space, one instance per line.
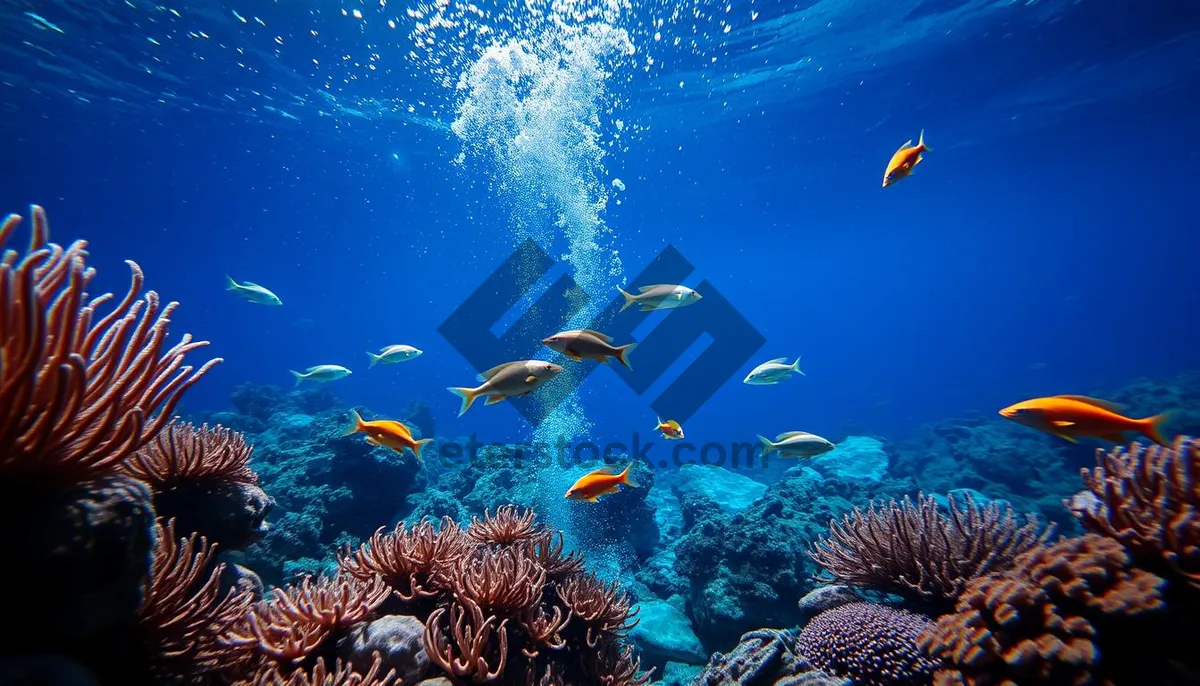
x=1046 y=244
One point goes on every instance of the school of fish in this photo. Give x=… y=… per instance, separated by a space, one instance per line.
x=1069 y=417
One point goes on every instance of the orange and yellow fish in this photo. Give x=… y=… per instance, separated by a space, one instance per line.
x=603 y=481
x=1071 y=417
x=388 y=433
x=907 y=157
x=671 y=430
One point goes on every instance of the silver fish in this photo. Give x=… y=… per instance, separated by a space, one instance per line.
x=253 y=292
x=321 y=372
x=796 y=444
x=772 y=372
x=660 y=297
x=508 y=380
x=393 y=354
x=585 y=344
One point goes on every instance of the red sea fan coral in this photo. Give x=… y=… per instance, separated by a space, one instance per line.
x=77 y=395
x=915 y=551
x=1148 y=499
x=1036 y=624
x=184 y=454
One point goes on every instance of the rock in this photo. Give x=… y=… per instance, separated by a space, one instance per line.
x=664 y=633
x=240 y=579
x=856 y=458
x=732 y=492
x=679 y=674
x=82 y=556
x=399 y=641
x=763 y=657
x=825 y=598
x=231 y=515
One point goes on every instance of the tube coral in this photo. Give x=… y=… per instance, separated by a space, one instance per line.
x=915 y=551
x=79 y=395
x=1148 y=499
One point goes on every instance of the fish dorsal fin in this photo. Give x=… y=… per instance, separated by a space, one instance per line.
x=250 y=284
x=791 y=434
x=778 y=360
x=487 y=376
x=1095 y=402
x=643 y=289
x=604 y=337
x=610 y=470
x=906 y=146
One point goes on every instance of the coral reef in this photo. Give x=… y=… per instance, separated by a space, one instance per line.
x=764 y=657
x=916 y=551
x=1043 y=622
x=873 y=645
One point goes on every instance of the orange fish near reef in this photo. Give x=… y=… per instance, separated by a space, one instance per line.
x=388 y=433
x=902 y=163
x=600 y=482
x=1078 y=416
x=671 y=430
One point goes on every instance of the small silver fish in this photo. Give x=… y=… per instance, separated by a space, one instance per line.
x=585 y=344
x=321 y=372
x=508 y=380
x=393 y=354
x=796 y=444
x=660 y=297
x=253 y=292
x=772 y=372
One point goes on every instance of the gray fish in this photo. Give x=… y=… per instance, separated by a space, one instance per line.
x=321 y=372
x=772 y=372
x=796 y=444
x=508 y=380
x=253 y=292
x=660 y=297
x=394 y=353
x=585 y=344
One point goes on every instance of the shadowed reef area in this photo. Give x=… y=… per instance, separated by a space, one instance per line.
x=261 y=545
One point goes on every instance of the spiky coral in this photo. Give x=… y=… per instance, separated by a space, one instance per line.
x=1148 y=499
x=1036 y=623
x=183 y=612
x=915 y=551
x=183 y=454
x=77 y=395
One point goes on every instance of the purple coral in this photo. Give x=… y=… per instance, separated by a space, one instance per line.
x=874 y=645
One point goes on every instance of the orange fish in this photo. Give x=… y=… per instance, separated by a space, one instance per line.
x=907 y=157
x=1078 y=416
x=671 y=430
x=388 y=433
x=603 y=481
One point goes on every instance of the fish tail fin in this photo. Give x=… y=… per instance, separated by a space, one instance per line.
x=796 y=367
x=623 y=354
x=468 y=396
x=230 y=284
x=768 y=447
x=417 y=448
x=374 y=359
x=921 y=142
x=629 y=299
x=299 y=377
x=357 y=425
x=1152 y=427
x=626 y=479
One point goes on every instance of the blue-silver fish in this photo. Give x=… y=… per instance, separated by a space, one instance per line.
x=253 y=292
x=796 y=444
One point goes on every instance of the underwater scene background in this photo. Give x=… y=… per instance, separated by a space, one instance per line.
x=316 y=181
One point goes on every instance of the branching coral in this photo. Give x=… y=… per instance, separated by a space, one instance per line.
x=295 y=623
x=415 y=562
x=874 y=645
x=1148 y=499
x=182 y=454
x=506 y=527
x=1036 y=624
x=183 y=613
x=79 y=395
x=341 y=675
x=915 y=551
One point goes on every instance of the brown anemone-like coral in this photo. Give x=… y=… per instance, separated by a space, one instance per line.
x=184 y=611
x=915 y=551
x=1148 y=499
x=416 y=562
x=508 y=526
x=78 y=392
x=874 y=645
x=341 y=675
x=183 y=454
x=1040 y=622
